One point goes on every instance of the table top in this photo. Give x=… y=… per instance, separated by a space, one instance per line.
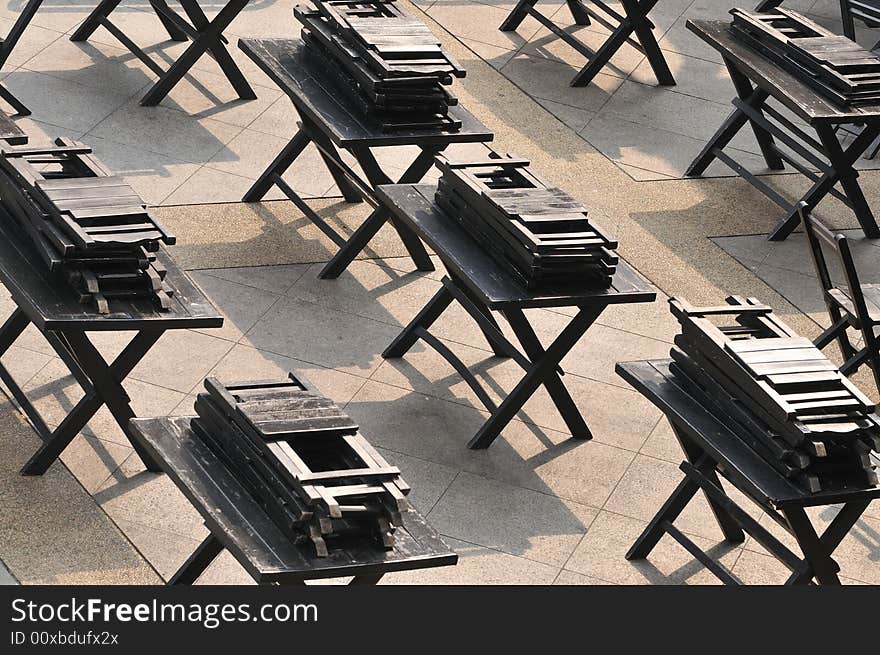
x=414 y=205
x=10 y=132
x=52 y=304
x=244 y=529
x=745 y=469
x=803 y=100
x=286 y=63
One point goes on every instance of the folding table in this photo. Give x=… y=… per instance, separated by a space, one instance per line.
x=206 y=37
x=481 y=286
x=756 y=80
x=237 y=523
x=633 y=21
x=8 y=44
x=328 y=121
x=711 y=449
x=53 y=308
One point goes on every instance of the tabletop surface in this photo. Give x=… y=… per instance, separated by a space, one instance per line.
x=10 y=132
x=52 y=304
x=414 y=204
x=747 y=470
x=803 y=100
x=286 y=63
x=244 y=529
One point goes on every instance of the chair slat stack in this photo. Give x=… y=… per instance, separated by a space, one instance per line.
x=303 y=460
x=536 y=231
x=86 y=224
x=388 y=63
x=783 y=397
x=832 y=64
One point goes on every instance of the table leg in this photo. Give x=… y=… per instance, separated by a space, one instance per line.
x=93 y=20
x=162 y=10
x=542 y=367
x=374 y=222
x=670 y=511
x=747 y=93
x=841 y=171
x=578 y=13
x=366 y=579
x=517 y=16
x=424 y=319
x=816 y=554
x=554 y=385
x=208 y=39
x=277 y=168
x=107 y=382
x=327 y=151
x=195 y=565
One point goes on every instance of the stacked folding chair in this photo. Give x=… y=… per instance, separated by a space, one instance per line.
x=832 y=64
x=386 y=62
x=303 y=460
x=536 y=231
x=86 y=224
x=783 y=397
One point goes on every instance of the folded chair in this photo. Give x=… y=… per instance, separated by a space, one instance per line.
x=855 y=305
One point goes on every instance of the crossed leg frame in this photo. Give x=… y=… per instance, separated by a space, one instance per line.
x=353 y=188
x=833 y=161
x=541 y=365
x=816 y=560
x=206 y=36
x=210 y=549
x=633 y=21
x=101 y=383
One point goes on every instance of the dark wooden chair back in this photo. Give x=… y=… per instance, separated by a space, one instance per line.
x=867 y=11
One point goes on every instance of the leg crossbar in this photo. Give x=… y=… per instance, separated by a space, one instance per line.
x=101 y=384
x=541 y=365
x=631 y=27
x=206 y=38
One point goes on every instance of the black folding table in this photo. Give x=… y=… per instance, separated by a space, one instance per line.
x=206 y=37
x=330 y=122
x=712 y=449
x=237 y=523
x=482 y=286
x=631 y=27
x=821 y=158
x=53 y=308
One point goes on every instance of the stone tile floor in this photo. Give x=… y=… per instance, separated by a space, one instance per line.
x=535 y=508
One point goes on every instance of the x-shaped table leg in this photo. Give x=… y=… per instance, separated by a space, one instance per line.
x=106 y=389
x=841 y=171
x=380 y=215
x=208 y=40
x=636 y=20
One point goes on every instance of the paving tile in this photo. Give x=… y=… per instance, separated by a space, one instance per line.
x=601 y=555
x=165 y=551
x=246 y=363
x=549 y=79
x=662 y=444
x=58 y=17
x=241 y=306
x=152 y=176
x=180 y=359
x=6 y=578
x=279 y=119
x=275 y=279
x=225 y=570
x=81 y=110
x=35 y=39
x=429 y=480
x=573 y=117
x=546 y=44
x=165 y=131
x=543 y=460
x=694 y=76
x=476 y=21
x=511 y=519
x=316 y=334
x=570 y=578
x=108 y=69
x=52 y=531
x=369 y=289
x=23 y=364
x=93 y=460
x=478 y=565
